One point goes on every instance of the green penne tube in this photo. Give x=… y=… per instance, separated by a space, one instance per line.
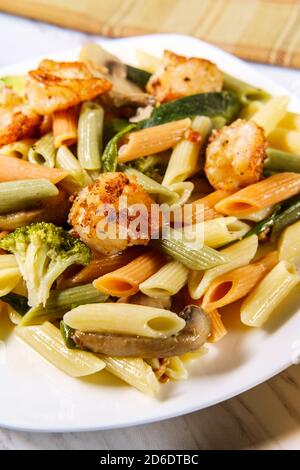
x=245 y=91
x=24 y=194
x=278 y=160
x=197 y=260
x=90 y=133
x=43 y=151
x=60 y=301
x=152 y=187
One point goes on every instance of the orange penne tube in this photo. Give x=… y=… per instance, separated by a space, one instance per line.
x=153 y=140
x=217 y=328
x=257 y=196
x=236 y=284
x=65 y=127
x=101 y=266
x=204 y=207
x=125 y=281
x=13 y=169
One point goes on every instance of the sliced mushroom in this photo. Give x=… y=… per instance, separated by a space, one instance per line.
x=191 y=338
x=104 y=64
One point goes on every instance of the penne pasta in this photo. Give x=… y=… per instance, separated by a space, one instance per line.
x=167 y=281
x=77 y=177
x=236 y=284
x=204 y=208
x=65 y=127
x=271 y=113
x=193 y=257
x=260 y=215
x=185 y=159
x=47 y=341
x=260 y=195
x=164 y=194
x=246 y=92
x=171 y=368
x=18 y=195
x=218 y=330
x=286 y=140
x=9 y=278
x=90 y=130
x=273 y=289
x=152 y=140
x=43 y=151
x=223 y=230
x=290 y=121
x=125 y=319
x=19 y=149
x=135 y=372
x=183 y=190
x=239 y=254
x=60 y=301
x=13 y=169
x=7 y=261
x=125 y=281
x=100 y=266
x=289 y=244
x=251 y=108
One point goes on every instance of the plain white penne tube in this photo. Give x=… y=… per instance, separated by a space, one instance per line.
x=268 y=294
x=239 y=254
x=289 y=244
x=259 y=215
x=176 y=369
x=223 y=230
x=269 y=115
x=185 y=158
x=167 y=281
x=285 y=139
x=135 y=371
x=47 y=341
x=9 y=278
x=125 y=319
x=183 y=190
x=8 y=261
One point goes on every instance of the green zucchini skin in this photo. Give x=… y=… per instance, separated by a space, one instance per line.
x=138 y=76
x=224 y=104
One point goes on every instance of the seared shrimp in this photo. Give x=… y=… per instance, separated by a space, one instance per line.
x=17 y=120
x=235 y=155
x=55 y=86
x=178 y=76
x=106 y=231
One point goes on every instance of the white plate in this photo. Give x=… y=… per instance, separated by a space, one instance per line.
x=35 y=396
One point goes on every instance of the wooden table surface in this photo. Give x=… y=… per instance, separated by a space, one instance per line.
x=267 y=417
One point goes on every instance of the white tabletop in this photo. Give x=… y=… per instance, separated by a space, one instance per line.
x=267 y=417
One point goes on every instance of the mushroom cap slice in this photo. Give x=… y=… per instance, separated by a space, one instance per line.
x=191 y=338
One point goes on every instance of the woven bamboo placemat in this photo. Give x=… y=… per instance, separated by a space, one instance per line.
x=265 y=31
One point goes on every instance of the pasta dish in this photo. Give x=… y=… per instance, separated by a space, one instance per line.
x=135 y=204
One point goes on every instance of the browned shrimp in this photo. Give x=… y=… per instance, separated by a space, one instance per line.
x=179 y=76
x=235 y=156
x=17 y=120
x=101 y=229
x=55 y=86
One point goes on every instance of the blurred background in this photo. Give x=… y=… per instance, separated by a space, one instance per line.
x=265 y=32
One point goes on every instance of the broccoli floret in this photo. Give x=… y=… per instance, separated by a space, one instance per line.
x=154 y=166
x=43 y=252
